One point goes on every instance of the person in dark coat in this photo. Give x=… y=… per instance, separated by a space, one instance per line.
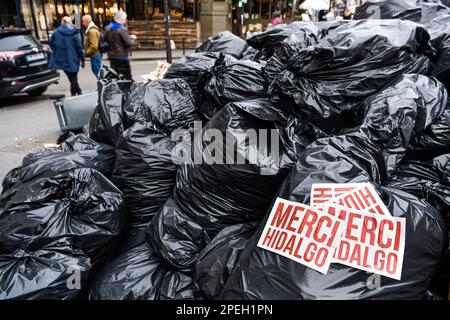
x=119 y=44
x=67 y=53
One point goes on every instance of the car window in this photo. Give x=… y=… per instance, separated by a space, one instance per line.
x=16 y=42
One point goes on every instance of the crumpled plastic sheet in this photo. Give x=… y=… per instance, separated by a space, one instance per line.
x=190 y=66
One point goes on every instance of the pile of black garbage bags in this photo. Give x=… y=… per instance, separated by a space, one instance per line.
x=149 y=204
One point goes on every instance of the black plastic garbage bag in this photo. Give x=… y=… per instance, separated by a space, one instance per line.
x=430 y=181
x=77 y=151
x=431 y=132
x=165 y=105
x=301 y=36
x=433 y=141
x=106 y=123
x=382 y=9
x=217 y=260
x=145 y=172
x=230 y=81
x=371 y=153
x=50 y=271
x=137 y=273
x=224 y=42
x=106 y=73
x=308 y=34
x=435 y=17
x=215 y=193
x=73 y=142
x=177 y=237
x=375 y=148
x=80 y=204
x=326 y=81
x=189 y=67
x=297 y=134
x=439 y=29
x=253 y=54
x=424 y=12
x=268 y=40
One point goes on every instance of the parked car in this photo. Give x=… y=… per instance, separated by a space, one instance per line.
x=24 y=64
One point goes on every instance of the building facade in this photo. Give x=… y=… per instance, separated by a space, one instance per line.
x=43 y=16
x=207 y=16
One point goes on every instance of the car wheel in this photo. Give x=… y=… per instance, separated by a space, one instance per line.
x=37 y=92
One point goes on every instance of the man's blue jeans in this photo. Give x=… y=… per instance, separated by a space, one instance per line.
x=96 y=63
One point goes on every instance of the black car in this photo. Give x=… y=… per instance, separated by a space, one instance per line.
x=24 y=64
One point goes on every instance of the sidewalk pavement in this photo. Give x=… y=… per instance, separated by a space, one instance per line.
x=153 y=55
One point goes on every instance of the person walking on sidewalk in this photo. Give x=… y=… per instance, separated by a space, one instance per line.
x=67 y=53
x=92 y=44
x=119 y=44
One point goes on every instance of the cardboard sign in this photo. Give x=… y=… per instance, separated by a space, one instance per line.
x=324 y=192
x=302 y=233
x=370 y=241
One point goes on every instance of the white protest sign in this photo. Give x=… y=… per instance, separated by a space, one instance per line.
x=302 y=233
x=370 y=241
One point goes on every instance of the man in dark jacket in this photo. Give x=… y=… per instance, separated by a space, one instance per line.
x=119 y=44
x=67 y=53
